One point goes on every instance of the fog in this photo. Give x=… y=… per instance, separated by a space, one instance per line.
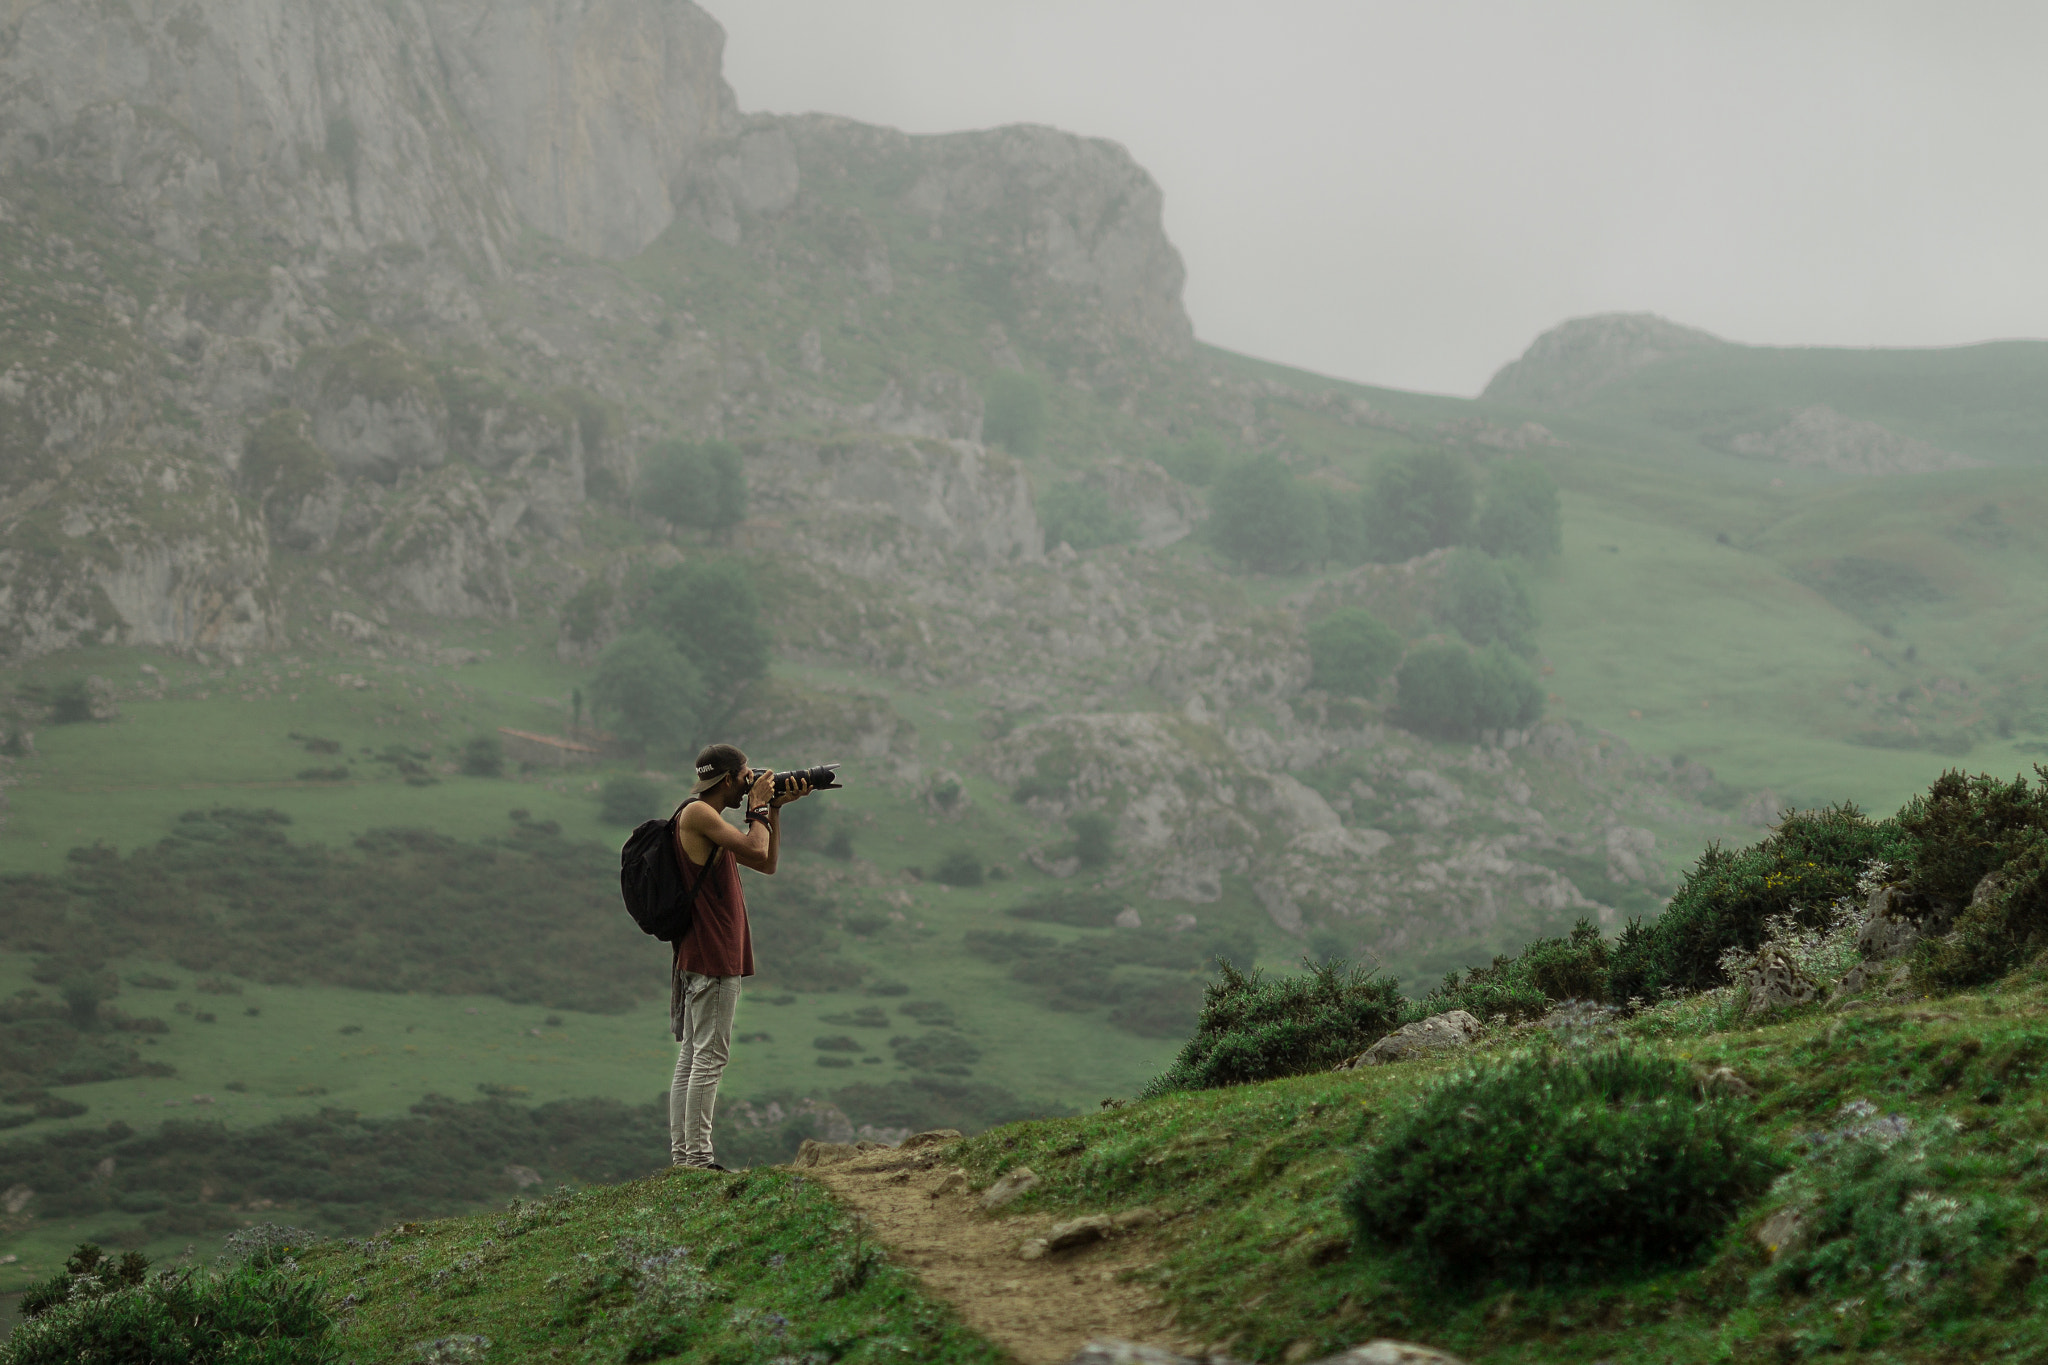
x=1407 y=194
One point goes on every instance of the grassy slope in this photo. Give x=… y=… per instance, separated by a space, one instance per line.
x=1257 y=1253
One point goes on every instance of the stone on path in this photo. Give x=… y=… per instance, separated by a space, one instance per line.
x=1009 y=1189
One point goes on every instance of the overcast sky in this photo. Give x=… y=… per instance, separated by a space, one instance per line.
x=1407 y=193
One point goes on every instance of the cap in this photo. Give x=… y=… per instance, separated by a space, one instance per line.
x=715 y=764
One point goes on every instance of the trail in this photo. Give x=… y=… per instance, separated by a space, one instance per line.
x=1041 y=1311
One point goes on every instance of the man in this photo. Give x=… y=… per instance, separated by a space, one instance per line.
x=718 y=950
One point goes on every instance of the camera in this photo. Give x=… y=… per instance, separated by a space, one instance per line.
x=824 y=777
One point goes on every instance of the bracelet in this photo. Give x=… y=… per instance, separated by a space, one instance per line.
x=757 y=813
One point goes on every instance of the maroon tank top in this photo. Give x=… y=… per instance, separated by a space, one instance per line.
x=718 y=943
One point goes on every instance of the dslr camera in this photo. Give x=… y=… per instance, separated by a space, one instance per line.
x=824 y=777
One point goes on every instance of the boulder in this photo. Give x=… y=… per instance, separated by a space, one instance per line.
x=816 y=1153
x=1009 y=1189
x=1897 y=917
x=1775 y=982
x=1425 y=1037
x=953 y=1182
x=1079 y=1232
x=1784 y=1233
x=1387 y=1351
x=931 y=1137
x=1723 y=1081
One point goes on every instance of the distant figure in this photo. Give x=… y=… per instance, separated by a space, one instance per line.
x=718 y=950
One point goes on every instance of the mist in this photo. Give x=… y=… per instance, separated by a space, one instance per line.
x=1405 y=195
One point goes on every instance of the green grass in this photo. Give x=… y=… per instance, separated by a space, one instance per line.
x=703 y=1267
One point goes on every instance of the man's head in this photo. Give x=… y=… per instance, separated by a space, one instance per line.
x=722 y=775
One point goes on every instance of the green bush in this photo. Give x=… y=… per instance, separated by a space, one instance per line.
x=1965 y=827
x=1264 y=519
x=1193 y=461
x=1520 y=514
x=484 y=756
x=959 y=868
x=1810 y=861
x=1417 y=503
x=1999 y=934
x=709 y=611
x=1344 y=540
x=70 y=702
x=1255 y=1029
x=1094 y=838
x=262 y=1312
x=628 y=799
x=1555 y=1166
x=1452 y=693
x=1486 y=601
x=1081 y=516
x=702 y=484
x=652 y=697
x=1350 y=652
x=1013 y=412
x=1548 y=972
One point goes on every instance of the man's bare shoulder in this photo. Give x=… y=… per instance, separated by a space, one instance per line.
x=699 y=815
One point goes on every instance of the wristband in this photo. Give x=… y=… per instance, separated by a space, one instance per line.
x=757 y=813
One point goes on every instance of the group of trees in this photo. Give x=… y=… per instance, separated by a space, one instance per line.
x=1264 y=518
x=693 y=642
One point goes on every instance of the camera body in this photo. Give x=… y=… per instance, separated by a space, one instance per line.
x=824 y=777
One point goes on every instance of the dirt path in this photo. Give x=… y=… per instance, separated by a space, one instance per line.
x=1040 y=1310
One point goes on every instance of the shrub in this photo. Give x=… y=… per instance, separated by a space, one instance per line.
x=1264 y=519
x=1013 y=412
x=1417 y=503
x=959 y=868
x=70 y=702
x=1081 y=516
x=628 y=799
x=1486 y=601
x=1553 y=1166
x=701 y=484
x=710 y=613
x=1193 y=461
x=1809 y=862
x=1449 y=692
x=1520 y=514
x=1094 y=838
x=1965 y=827
x=1998 y=934
x=1351 y=651
x=1082 y=909
x=652 y=696
x=483 y=756
x=1549 y=971
x=1255 y=1029
x=262 y=1312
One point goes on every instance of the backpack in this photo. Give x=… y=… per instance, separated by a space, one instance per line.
x=651 y=879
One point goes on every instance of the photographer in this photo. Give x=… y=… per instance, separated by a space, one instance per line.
x=718 y=950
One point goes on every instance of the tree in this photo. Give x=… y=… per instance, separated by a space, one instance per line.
x=1081 y=516
x=1350 y=652
x=1486 y=601
x=1193 y=461
x=695 y=483
x=1344 y=526
x=653 y=696
x=1094 y=838
x=1266 y=520
x=1416 y=504
x=1520 y=516
x=483 y=756
x=628 y=799
x=1013 y=412
x=1449 y=692
x=709 y=610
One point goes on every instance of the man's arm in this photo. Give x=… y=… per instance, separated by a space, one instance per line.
x=760 y=847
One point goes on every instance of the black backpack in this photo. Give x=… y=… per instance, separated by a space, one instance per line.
x=652 y=880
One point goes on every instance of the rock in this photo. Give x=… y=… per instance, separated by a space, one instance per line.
x=1110 y=1351
x=1784 y=1233
x=1033 y=1249
x=816 y=1153
x=954 y=1182
x=1130 y=1220
x=1897 y=917
x=1571 y=360
x=1722 y=1081
x=1818 y=437
x=1008 y=1190
x=1775 y=982
x=1078 y=1232
x=1387 y=1351
x=1438 y=1033
x=931 y=1137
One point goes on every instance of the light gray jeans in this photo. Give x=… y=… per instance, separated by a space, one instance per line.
x=704 y=1040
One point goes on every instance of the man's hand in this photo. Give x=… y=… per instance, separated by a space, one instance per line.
x=796 y=792
x=763 y=789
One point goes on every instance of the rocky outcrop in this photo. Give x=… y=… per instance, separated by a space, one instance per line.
x=1571 y=361
x=594 y=110
x=1773 y=981
x=1897 y=917
x=1423 y=1038
x=1818 y=437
